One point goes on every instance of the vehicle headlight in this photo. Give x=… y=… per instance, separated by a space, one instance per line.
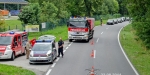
x=49 y=54
x=8 y=47
x=31 y=54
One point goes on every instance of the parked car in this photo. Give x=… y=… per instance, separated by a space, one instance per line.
x=119 y=20
x=110 y=22
x=44 y=50
x=123 y=19
x=127 y=18
x=116 y=21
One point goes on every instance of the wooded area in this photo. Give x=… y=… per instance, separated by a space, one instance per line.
x=140 y=12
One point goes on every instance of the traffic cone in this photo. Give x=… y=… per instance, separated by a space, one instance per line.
x=92 y=71
x=92 y=54
x=92 y=43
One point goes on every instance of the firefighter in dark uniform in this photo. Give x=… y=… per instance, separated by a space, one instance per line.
x=60 y=47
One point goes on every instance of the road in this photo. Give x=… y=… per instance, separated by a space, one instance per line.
x=109 y=57
x=21 y=61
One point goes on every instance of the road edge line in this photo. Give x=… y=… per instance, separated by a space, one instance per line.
x=125 y=53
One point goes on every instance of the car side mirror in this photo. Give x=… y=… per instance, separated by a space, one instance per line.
x=54 y=48
x=67 y=24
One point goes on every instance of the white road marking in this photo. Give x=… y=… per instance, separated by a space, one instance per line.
x=125 y=53
x=64 y=51
x=53 y=64
x=101 y=32
x=97 y=40
x=69 y=44
x=49 y=71
x=57 y=59
x=94 y=53
x=107 y=28
x=66 y=47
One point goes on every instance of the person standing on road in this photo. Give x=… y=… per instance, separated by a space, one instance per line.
x=101 y=21
x=28 y=49
x=60 y=47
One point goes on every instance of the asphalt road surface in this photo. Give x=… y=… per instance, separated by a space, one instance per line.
x=21 y=61
x=109 y=58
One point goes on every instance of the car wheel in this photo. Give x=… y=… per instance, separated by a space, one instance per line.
x=52 y=61
x=70 y=40
x=12 y=56
x=24 y=53
x=30 y=63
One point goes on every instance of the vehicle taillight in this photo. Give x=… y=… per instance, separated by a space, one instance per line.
x=69 y=29
x=86 y=29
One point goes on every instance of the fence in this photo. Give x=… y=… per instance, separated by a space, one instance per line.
x=62 y=22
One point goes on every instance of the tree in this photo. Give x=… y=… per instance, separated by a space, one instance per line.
x=2 y=22
x=141 y=18
x=30 y=14
x=49 y=12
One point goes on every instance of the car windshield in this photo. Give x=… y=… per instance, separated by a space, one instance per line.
x=42 y=47
x=77 y=24
x=110 y=20
x=5 y=40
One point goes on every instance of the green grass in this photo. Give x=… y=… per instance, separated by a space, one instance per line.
x=13 y=24
x=135 y=50
x=12 y=70
x=98 y=22
x=60 y=31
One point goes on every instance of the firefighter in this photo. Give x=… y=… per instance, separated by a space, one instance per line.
x=60 y=47
x=28 y=49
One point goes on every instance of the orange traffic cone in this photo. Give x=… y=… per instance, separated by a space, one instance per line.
x=92 y=54
x=92 y=42
x=92 y=71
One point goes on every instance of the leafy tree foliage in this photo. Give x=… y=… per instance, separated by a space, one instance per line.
x=2 y=22
x=49 y=11
x=141 y=18
x=30 y=14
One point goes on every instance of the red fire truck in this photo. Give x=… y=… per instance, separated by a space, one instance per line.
x=80 y=28
x=12 y=44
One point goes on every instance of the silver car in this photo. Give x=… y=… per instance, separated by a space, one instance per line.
x=43 y=51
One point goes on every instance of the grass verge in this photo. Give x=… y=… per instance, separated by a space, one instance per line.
x=13 y=24
x=60 y=31
x=12 y=70
x=135 y=50
x=98 y=22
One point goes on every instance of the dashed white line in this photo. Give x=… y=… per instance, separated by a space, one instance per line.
x=94 y=53
x=48 y=71
x=66 y=47
x=57 y=59
x=53 y=64
x=64 y=51
x=101 y=32
x=97 y=40
x=69 y=45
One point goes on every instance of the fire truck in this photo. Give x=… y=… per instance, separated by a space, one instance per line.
x=80 y=28
x=12 y=44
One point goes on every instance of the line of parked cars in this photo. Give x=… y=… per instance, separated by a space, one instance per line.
x=117 y=20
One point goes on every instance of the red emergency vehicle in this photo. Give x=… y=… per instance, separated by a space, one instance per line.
x=80 y=28
x=12 y=44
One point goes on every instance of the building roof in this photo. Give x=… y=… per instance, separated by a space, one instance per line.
x=14 y=1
